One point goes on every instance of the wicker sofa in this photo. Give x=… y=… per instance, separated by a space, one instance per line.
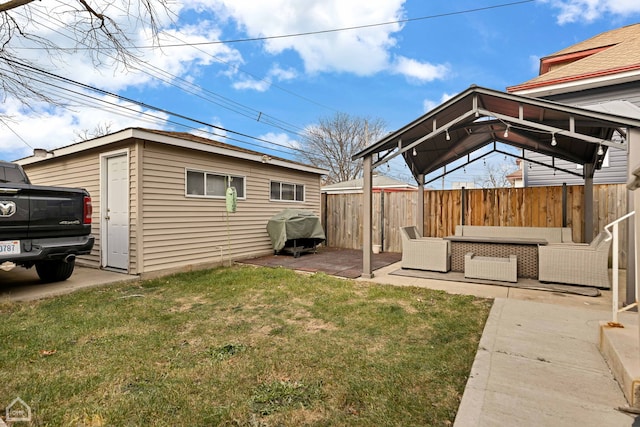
x=576 y=263
x=424 y=253
x=550 y=234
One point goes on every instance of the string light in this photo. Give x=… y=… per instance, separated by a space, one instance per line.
x=553 y=140
x=415 y=153
x=446 y=135
x=600 y=150
x=506 y=132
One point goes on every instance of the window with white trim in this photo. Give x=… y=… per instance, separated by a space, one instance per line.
x=209 y=184
x=286 y=191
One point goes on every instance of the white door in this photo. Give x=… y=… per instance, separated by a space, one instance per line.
x=116 y=219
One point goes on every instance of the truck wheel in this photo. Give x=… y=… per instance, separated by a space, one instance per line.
x=55 y=271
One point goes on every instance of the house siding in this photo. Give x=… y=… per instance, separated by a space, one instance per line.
x=615 y=173
x=539 y=176
x=627 y=92
x=179 y=231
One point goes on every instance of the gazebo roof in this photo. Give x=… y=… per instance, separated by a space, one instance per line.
x=479 y=116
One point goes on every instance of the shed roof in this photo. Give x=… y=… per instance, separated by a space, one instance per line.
x=479 y=116
x=178 y=139
x=379 y=181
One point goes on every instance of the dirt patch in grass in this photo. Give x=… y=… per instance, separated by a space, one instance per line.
x=304 y=319
x=241 y=346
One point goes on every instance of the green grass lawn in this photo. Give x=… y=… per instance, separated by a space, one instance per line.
x=241 y=346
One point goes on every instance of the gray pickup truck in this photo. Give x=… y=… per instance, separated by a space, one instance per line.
x=45 y=227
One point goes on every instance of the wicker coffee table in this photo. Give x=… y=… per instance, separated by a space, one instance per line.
x=525 y=249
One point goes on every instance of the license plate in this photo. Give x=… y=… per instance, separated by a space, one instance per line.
x=9 y=247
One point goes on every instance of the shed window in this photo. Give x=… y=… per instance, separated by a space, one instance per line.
x=285 y=191
x=208 y=184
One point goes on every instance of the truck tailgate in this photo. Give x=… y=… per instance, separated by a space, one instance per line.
x=42 y=212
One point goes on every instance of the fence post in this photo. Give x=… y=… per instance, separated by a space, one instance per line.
x=324 y=197
x=464 y=204
x=564 y=204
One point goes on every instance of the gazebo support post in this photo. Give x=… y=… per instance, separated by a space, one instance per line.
x=420 y=210
x=367 y=221
x=633 y=226
x=588 y=202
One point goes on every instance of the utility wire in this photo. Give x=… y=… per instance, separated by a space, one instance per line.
x=200 y=91
x=332 y=30
x=142 y=104
x=4 y=123
x=308 y=33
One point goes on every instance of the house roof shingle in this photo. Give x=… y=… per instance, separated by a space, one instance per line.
x=605 y=54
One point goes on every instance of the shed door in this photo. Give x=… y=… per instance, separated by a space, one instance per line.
x=116 y=223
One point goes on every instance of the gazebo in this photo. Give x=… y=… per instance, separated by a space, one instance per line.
x=478 y=117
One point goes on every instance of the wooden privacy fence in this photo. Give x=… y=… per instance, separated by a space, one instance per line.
x=443 y=210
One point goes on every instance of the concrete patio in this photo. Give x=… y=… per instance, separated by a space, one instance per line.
x=541 y=360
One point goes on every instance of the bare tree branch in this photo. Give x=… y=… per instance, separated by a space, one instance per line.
x=12 y=4
x=332 y=142
x=495 y=175
x=92 y=27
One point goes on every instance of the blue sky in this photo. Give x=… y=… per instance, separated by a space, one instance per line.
x=273 y=88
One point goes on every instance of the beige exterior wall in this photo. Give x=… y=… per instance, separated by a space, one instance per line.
x=179 y=231
x=83 y=170
x=167 y=229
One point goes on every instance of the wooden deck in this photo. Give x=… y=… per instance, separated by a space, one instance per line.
x=336 y=262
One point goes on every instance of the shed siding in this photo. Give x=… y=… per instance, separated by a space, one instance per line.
x=179 y=231
x=616 y=173
x=83 y=170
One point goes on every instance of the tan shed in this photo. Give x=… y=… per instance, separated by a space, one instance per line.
x=160 y=198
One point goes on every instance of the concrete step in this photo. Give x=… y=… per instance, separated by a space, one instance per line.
x=620 y=347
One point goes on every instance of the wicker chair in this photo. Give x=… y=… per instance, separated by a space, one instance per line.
x=424 y=253
x=576 y=263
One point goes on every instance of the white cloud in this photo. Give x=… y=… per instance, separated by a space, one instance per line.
x=275 y=74
x=429 y=104
x=47 y=127
x=54 y=24
x=417 y=71
x=591 y=10
x=282 y=140
x=215 y=132
x=363 y=51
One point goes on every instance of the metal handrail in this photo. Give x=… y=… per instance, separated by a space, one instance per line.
x=615 y=298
